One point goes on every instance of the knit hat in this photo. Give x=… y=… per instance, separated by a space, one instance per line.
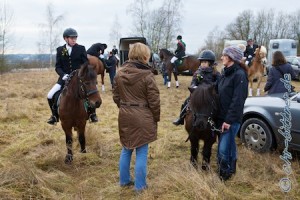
x=234 y=52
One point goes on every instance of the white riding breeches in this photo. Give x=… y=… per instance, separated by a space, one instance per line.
x=174 y=59
x=53 y=90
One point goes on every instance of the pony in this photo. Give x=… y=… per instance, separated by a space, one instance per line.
x=79 y=92
x=190 y=63
x=257 y=68
x=200 y=122
x=98 y=66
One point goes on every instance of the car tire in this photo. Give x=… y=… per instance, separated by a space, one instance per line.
x=256 y=135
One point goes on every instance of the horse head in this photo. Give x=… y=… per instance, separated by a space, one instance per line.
x=88 y=85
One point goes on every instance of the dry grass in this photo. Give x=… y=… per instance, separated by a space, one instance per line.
x=32 y=153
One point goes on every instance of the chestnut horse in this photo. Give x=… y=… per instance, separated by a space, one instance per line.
x=79 y=92
x=189 y=63
x=257 y=68
x=98 y=67
x=200 y=122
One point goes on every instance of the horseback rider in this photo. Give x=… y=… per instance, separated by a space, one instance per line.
x=97 y=50
x=69 y=57
x=205 y=73
x=179 y=52
x=249 y=53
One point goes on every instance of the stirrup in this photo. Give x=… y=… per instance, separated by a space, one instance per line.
x=179 y=121
x=93 y=118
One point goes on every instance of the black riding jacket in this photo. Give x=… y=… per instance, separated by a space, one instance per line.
x=180 y=51
x=207 y=75
x=94 y=50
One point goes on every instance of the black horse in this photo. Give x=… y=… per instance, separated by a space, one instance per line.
x=200 y=122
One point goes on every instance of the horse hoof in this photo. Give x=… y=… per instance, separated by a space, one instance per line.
x=177 y=86
x=68 y=159
x=205 y=167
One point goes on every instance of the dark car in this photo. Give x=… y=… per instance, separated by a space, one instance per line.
x=295 y=63
x=263 y=120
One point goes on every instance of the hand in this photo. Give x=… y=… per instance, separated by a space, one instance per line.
x=65 y=77
x=225 y=127
x=101 y=56
x=249 y=56
x=195 y=86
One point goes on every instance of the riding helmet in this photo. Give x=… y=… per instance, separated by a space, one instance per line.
x=70 y=32
x=179 y=37
x=207 y=55
x=105 y=46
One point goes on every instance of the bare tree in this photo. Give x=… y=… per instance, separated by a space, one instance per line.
x=215 y=42
x=6 y=18
x=295 y=27
x=51 y=30
x=115 y=32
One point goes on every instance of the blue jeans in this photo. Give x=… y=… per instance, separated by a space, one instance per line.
x=112 y=74
x=227 y=151
x=140 y=170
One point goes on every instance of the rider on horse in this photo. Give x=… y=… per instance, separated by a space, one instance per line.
x=179 y=52
x=206 y=73
x=97 y=50
x=69 y=57
x=250 y=51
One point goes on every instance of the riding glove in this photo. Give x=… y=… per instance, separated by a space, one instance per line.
x=65 y=77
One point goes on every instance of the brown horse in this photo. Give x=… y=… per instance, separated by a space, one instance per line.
x=190 y=63
x=79 y=92
x=98 y=66
x=257 y=69
x=200 y=122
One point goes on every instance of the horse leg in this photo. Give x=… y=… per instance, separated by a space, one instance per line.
x=69 y=141
x=81 y=139
x=258 y=85
x=176 y=79
x=169 y=79
x=102 y=81
x=250 y=89
x=194 y=150
x=206 y=153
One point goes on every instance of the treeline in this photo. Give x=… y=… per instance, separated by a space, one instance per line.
x=261 y=26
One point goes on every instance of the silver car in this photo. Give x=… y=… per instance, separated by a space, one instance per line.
x=263 y=122
x=295 y=63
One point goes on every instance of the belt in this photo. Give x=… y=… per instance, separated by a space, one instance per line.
x=134 y=104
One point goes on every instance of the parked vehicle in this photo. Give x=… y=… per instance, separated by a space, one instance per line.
x=262 y=121
x=295 y=63
x=287 y=46
x=234 y=42
x=124 y=46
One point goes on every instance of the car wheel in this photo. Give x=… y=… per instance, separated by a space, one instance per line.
x=256 y=134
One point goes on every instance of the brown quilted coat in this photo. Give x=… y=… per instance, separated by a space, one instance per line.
x=137 y=96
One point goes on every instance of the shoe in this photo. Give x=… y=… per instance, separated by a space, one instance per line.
x=53 y=120
x=93 y=118
x=178 y=121
x=128 y=184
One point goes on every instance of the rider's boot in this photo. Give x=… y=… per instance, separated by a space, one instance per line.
x=180 y=120
x=54 y=117
x=92 y=115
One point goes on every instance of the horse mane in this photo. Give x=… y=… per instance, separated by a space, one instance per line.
x=167 y=52
x=204 y=99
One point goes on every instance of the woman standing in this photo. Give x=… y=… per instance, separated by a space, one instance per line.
x=279 y=68
x=137 y=96
x=233 y=90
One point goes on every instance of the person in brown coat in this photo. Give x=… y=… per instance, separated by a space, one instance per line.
x=137 y=96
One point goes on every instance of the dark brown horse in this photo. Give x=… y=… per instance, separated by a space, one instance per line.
x=200 y=121
x=190 y=63
x=79 y=93
x=98 y=66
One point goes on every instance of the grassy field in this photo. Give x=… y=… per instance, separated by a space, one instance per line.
x=32 y=153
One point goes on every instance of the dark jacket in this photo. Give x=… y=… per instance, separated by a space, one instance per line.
x=66 y=63
x=250 y=51
x=233 y=91
x=111 y=63
x=180 y=51
x=114 y=51
x=137 y=96
x=274 y=85
x=207 y=75
x=94 y=50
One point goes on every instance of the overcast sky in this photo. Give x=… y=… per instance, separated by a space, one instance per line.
x=93 y=19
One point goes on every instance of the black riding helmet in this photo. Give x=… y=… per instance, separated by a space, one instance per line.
x=179 y=37
x=70 y=32
x=207 y=55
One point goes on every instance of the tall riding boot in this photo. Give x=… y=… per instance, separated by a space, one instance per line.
x=92 y=114
x=54 y=117
x=180 y=120
x=224 y=170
